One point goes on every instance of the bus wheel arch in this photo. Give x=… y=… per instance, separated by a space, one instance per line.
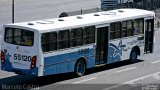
x=80 y=66
x=135 y=52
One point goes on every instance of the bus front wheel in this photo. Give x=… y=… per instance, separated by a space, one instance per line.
x=80 y=68
x=133 y=56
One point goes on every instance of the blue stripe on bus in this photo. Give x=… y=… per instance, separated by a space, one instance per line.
x=66 y=62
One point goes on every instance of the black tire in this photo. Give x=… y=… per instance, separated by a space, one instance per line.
x=133 y=56
x=80 y=68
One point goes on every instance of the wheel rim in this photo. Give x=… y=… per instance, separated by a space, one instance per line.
x=80 y=68
x=133 y=56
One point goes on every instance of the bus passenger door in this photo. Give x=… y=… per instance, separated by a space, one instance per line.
x=102 y=45
x=149 y=36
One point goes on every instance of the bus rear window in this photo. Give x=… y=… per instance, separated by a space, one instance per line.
x=19 y=37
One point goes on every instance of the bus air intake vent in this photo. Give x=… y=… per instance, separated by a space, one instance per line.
x=45 y=22
x=29 y=23
x=79 y=17
x=60 y=19
x=121 y=11
x=96 y=14
x=108 y=13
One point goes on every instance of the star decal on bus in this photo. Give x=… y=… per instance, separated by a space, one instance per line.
x=7 y=55
x=118 y=50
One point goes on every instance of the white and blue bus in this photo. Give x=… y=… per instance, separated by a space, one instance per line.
x=76 y=43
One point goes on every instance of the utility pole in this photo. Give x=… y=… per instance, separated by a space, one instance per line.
x=12 y=11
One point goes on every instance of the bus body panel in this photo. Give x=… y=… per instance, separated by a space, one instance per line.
x=130 y=43
x=114 y=51
x=120 y=49
x=18 y=66
x=40 y=60
x=64 y=60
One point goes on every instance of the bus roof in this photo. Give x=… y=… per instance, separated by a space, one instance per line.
x=97 y=18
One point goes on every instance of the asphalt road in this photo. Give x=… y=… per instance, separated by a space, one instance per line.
x=119 y=76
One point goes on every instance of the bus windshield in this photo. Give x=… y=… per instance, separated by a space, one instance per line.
x=18 y=36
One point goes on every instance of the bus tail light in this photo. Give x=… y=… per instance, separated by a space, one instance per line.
x=2 y=57
x=33 y=62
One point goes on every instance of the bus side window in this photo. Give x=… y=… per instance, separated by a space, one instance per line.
x=141 y=26
x=115 y=30
x=44 y=40
x=76 y=37
x=112 y=31
x=53 y=41
x=63 y=39
x=130 y=28
x=89 y=35
x=124 y=29
x=138 y=26
x=49 y=41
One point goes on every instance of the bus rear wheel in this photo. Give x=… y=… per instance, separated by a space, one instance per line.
x=133 y=56
x=80 y=68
